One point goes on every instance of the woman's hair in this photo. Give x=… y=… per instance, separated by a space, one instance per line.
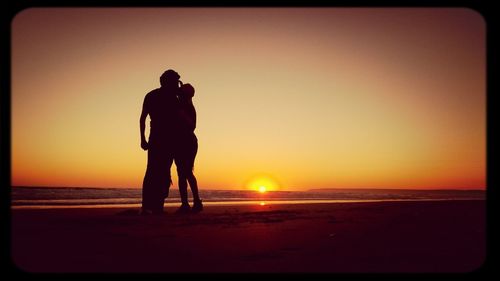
x=187 y=90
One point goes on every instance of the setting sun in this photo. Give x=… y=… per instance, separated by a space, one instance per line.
x=263 y=184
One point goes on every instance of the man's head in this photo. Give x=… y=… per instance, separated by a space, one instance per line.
x=169 y=78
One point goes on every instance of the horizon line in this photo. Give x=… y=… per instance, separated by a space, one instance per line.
x=283 y=190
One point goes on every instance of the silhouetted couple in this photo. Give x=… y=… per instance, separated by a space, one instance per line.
x=171 y=138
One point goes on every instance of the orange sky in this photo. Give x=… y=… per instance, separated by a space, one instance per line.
x=307 y=97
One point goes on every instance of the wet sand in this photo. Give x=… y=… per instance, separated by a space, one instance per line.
x=375 y=237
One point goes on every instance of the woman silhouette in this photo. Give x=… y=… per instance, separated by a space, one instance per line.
x=187 y=149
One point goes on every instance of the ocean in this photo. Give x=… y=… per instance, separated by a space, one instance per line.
x=49 y=197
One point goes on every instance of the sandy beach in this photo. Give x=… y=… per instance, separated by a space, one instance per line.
x=413 y=237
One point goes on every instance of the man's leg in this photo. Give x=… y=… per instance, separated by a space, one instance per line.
x=148 y=184
x=157 y=180
x=164 y=180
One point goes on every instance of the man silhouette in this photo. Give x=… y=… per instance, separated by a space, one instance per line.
x=162 y=106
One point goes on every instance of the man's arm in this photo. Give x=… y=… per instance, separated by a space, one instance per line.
x=142 y=125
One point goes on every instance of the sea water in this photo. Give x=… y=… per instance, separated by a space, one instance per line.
x=33 y=197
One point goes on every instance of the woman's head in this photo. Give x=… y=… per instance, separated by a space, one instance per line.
x=187 y=90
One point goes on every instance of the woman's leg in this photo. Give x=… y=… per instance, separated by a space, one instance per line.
x=183 y=192
x=193 y=183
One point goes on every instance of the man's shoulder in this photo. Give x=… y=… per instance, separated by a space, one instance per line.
x=151 y=94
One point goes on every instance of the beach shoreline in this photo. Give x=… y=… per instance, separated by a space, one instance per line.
x=363 y=237
x=227 y=203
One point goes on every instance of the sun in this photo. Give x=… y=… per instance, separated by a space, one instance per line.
x=263 y=184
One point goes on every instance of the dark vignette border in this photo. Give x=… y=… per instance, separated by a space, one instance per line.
x=484 y=7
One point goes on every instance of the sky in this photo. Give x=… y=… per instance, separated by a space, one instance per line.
x=297 y=98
